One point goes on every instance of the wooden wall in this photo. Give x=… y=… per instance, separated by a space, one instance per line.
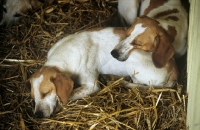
x=193 y=62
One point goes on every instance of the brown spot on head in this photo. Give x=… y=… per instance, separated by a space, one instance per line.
x=121 y=32
x=46 y=86
x=145 y=40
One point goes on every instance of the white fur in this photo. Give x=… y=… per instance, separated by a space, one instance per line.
x=140 y=61
x=130 y=11
x=36 y=84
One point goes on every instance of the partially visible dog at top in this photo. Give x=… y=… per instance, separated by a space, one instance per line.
x=12 y=10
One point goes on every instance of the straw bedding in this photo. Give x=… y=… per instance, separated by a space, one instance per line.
x=23 y=50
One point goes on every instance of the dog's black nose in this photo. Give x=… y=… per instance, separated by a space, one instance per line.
x=115 y=53
x=39 y=114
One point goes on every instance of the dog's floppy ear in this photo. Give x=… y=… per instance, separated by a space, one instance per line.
x=64 y=86
x=28 y=85
x=163 y=52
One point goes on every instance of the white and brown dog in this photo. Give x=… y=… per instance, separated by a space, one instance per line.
x=12 y=10
x=81 y=57
x=169 y=15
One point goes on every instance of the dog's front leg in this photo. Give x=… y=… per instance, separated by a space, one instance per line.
x=131 y=85
x=84 y=91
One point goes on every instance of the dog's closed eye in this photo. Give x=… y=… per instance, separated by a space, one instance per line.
x=135 y=43
x=45 y=93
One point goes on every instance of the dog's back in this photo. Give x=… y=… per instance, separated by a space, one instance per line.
x=87 y=51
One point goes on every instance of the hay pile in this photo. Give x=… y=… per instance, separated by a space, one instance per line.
x=23 y=50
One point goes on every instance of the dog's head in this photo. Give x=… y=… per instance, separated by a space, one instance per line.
x=14 y=9
x=45 y=85
x=148 y=35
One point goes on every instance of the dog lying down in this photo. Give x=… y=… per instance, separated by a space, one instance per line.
x=82 y=56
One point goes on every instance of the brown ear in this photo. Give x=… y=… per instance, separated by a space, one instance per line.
x=64 y=86
x=28 y=85
x=163 y=52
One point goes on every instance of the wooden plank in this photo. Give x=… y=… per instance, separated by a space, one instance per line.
x=193 y=62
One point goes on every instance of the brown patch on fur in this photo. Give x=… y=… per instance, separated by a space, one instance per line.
x=164 y=51
x=173 y=18
x=173 y=69
x=121 y=32
x=165 y=13
x=64 y=86
x=154 y=4
x=172 y=33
